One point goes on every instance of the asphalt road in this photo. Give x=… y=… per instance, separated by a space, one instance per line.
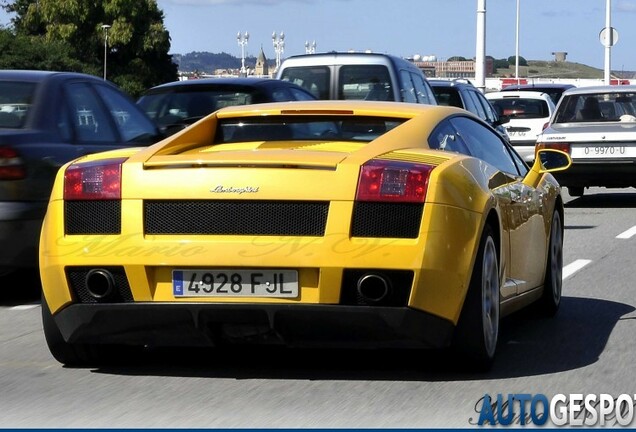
x=588 y=348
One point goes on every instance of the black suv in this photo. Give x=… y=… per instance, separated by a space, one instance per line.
x=462 y=94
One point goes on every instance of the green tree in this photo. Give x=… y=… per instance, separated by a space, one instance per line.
x=33 y=52
x=138 y=42
x=501 y=64
x=513 y=60
x=456 y=58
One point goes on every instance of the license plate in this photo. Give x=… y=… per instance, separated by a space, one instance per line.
x=591 y=151
x=516 y=134
x=235 y=283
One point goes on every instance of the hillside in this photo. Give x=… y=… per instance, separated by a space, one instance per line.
x=552 y=69
x=206 y=62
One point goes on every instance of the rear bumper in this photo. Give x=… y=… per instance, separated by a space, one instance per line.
x=613 y=174
x=196 y=324
x=20 y=225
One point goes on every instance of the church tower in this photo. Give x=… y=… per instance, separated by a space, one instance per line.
x=261 y=68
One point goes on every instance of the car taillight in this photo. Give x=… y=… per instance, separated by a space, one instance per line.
x=564 y=147
x=11 y=165
x=390 y=181
x=98 y=180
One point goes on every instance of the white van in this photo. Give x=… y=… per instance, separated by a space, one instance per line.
x=369 y=76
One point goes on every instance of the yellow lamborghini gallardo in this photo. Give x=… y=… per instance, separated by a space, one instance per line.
x=309 y=224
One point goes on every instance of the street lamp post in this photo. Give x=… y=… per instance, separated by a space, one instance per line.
x=310 y=48
x=105 y=27
x=279 y=46
x=517 y=46
x=608 y=46
x=480 y=49
x=242 y=41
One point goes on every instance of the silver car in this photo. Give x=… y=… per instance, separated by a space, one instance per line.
x=597 y=127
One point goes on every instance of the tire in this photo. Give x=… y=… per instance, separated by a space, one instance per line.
x=553 y=282
x=477 y=332
x=70 y=354
x=576 y=191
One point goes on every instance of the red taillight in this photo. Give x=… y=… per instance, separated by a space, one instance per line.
x=391 y=181
x=99 y=180
x=11 y=165
x=564 y=147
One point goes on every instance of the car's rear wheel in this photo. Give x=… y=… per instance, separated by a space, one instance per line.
x=553 y=282
x=71 y=354
x=576 y=191
x=477 y=331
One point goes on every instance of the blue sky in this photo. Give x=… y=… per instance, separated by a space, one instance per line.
x=443 y=28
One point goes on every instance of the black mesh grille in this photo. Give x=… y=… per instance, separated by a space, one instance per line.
x=92 y=217
x=232 y=217
x=399 y=281
x=393 y=220
x=76 y=277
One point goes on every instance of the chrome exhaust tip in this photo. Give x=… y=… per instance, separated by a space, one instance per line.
x=373 y=288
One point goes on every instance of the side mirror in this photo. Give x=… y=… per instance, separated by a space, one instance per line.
x=551 y=160
x=546 y=160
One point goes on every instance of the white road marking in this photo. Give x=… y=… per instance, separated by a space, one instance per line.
x=627 y=234
x=572 y=268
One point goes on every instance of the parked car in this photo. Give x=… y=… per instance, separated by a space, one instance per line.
x=597 y=127
x=529 y=113
x=360 y=76
x=463 y=94
x=554 y=90
x=46 y=120
x=178 y=104
x=332 y=223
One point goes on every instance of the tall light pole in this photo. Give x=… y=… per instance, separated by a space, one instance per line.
x=310 y=48
x=517 y=47
x=105 y=27
x=609 y=41
x=242 y=41
x=279 y=46
x=480 y=50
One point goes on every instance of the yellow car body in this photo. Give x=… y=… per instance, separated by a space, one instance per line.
x=213 y=209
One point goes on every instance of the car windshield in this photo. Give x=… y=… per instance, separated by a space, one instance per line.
x=522 y=108
x=308 y=128
x=597 y=107
x=15 y=101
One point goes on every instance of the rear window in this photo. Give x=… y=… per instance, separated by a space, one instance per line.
x=522 y=108
x=448 y=96
x=304 y=128
x=314 y=79
x=597 y=107
x=170 y=107
x=365 y=82
x=15 y=101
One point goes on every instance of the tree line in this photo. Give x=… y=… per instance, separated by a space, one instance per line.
x=70 y=35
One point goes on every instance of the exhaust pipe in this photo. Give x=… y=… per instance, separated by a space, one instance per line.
x=373 y=288
x=99 y=283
